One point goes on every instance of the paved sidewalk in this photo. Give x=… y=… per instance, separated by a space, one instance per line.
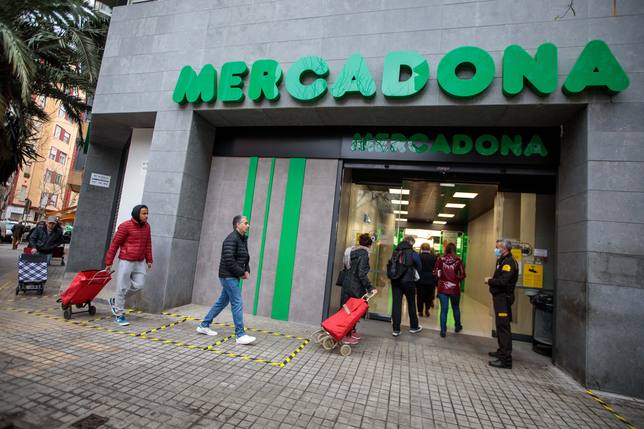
x=157 y=373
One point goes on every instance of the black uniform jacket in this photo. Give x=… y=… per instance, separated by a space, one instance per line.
x=505 y=276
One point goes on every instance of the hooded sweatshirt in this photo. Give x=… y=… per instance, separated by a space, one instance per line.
x=134 y=239
x=450 y=271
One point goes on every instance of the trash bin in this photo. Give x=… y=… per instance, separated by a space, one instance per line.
x=542 y=321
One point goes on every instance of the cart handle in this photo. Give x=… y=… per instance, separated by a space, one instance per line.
x=367 y=296
x=109 y=273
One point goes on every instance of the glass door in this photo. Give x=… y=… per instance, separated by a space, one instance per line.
x=374 y=210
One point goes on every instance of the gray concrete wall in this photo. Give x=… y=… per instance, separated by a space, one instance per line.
x=572 y=227
x=149 y=43
x=309 y=276
x=96 y=211
x=225 y=199
x=615 y=248
x=175 y=191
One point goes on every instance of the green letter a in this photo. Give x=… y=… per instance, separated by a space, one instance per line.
x=596 y=66
x=354 y=78
x=195 y=88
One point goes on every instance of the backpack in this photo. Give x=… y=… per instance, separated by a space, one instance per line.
x=396 y=266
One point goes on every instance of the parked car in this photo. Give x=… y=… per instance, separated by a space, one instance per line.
x=5 y=227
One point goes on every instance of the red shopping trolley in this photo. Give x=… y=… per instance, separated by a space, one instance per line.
x=82 y=290
x=336 y=327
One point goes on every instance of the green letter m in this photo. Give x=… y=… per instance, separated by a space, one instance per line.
x=195 y=88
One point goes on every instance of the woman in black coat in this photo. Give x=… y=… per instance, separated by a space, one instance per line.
x=356 y=282
x=426 y=285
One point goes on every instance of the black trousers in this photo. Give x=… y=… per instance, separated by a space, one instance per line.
x=503 y=317
x=408 y=289
x=424 y=297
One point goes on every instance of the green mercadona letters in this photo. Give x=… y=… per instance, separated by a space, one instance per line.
x=307 y=79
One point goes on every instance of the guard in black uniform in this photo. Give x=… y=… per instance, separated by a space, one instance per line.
x=502 y=289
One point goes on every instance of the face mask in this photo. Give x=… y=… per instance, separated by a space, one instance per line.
x=497 y=252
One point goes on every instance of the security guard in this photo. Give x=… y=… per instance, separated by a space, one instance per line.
x=502 y=290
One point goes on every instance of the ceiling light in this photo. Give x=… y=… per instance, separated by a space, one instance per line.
x=448 y=215
x=399 y=219
x=465 y=195
x=399 y=191
x=439 y=222
x=448 y=185
x=401 y=212
x=399 y=202
x=454 y=205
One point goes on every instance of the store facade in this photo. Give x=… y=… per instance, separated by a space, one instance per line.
x=205 y=110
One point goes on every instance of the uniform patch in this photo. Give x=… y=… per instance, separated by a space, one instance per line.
x=507 y=268
x=502 y=314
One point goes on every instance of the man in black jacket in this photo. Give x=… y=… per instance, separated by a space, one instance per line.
x=405 y=285
x=502 y=289
x=233 y=266
x=45 y=238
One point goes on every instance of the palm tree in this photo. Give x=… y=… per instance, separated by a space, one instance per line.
x=49 y=48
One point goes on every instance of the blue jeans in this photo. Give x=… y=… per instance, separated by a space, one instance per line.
x=230 y=293
x=454 y=300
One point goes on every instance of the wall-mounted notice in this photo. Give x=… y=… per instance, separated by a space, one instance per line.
x=100 y=180
x=533 y=276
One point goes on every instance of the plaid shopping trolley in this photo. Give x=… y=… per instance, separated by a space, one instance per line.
x=32 y=273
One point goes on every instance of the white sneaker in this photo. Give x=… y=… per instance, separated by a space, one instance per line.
x=245 y=339
x=205 y=331
x=417 y=330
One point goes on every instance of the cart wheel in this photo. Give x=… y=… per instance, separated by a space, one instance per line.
x=345 y=350
x=321 y=336
x=62 y=263
x=92 y=310
x=17 y=290
x=42 y=290
x=328 y=343
x=67 y=313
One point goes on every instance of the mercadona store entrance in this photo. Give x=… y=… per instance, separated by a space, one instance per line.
x=465 y=186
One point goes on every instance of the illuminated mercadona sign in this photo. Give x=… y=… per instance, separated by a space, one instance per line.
x=306 y=79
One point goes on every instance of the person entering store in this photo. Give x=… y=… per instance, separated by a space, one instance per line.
x=426 y=284
x=356 y=281
x=450 y=271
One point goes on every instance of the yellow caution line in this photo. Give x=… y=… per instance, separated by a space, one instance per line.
x=263 y=331
x=160 y=328
x=608 y=408
x=292 y=355
x=143 y=335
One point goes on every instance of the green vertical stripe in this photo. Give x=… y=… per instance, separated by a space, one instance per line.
x=250 y=188
x=260 y=264
x=288 y=239
x=250 y=194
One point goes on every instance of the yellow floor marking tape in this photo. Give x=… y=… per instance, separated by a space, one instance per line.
x=143 y=335
x=610 y=409
x=263 y=331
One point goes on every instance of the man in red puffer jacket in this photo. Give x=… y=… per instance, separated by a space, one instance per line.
x=134 y=239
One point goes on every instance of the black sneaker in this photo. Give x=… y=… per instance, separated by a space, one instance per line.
x=458 y=329
x=416 y=330
x=501 y=364
x=395 y=333
x=443 y=334
x=494 y=354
